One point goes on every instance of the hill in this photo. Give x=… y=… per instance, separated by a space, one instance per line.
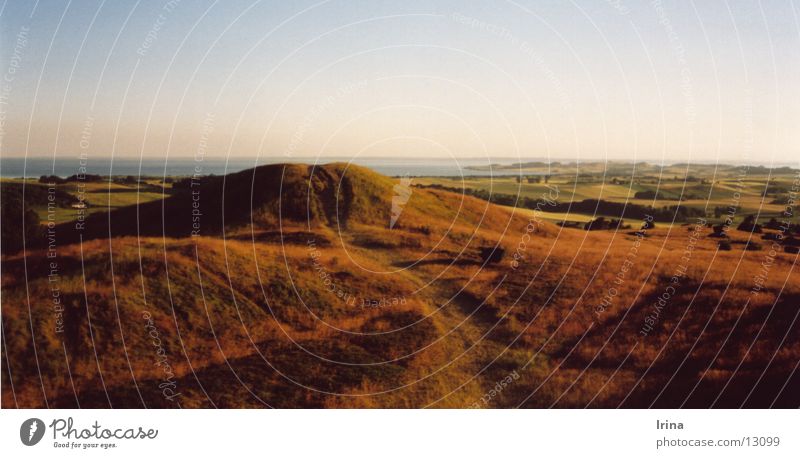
x=294 y=288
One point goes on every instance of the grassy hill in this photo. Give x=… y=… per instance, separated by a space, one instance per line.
x=293 y=289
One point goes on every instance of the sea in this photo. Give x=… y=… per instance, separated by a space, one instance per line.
x=34 y=167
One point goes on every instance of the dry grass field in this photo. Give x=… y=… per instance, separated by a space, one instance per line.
x=287 y=287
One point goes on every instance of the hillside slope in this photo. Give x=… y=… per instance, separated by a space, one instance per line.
x=297 y=291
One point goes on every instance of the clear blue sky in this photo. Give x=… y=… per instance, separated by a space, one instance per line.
x=678 y=80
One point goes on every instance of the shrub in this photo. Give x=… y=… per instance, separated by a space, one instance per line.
x=791 y=241
x=596 y=224
x=753 y=246
x=773 y=224
x=492 y=255
x=749 y=225
x=719 y=232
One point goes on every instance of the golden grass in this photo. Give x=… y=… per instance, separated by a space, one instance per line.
x=243 y=323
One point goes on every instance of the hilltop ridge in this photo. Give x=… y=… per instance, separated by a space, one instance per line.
x=336 y=197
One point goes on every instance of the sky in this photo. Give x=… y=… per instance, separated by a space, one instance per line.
x=568 y=80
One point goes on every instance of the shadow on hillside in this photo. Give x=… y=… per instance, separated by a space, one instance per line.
x=698 y=358
x=439 y=261
x=287 y=238
x=246 y=382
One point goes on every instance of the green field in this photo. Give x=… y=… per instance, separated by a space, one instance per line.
x=99 y=197
x=704 y=190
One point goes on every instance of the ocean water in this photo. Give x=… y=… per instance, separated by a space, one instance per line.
x=63 y=167
x=34 y=167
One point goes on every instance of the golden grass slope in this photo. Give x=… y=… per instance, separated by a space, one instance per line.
x=310 y=300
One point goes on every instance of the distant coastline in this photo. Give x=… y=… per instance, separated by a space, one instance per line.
x=34 y=167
